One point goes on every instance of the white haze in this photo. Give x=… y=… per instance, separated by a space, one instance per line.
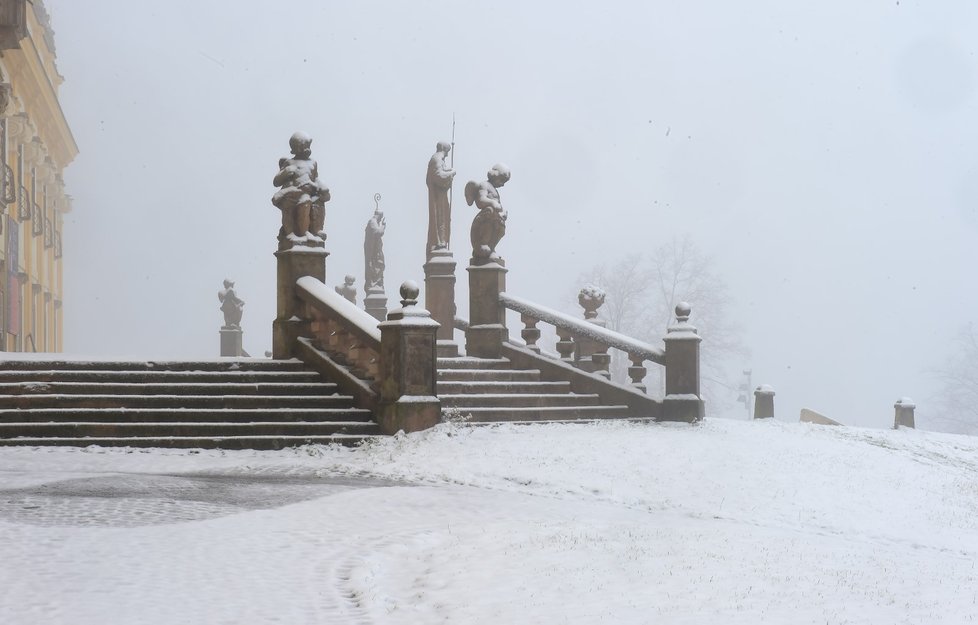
x=822 y=153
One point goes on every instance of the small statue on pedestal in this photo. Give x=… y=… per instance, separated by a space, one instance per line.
x=373 y=250
x=489 y=226
x=439 y=180
x=347 y=289
x=231 y=305
x=302 y=197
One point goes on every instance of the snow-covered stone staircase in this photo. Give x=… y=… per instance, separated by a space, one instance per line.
x=490 y=390
x=232 y=404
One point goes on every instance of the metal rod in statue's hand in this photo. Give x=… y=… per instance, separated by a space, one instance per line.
x=451 y=189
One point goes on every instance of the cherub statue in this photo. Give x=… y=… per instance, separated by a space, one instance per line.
x=301 y=197
x=231 y=305
x=347 y=289
x=489 y=226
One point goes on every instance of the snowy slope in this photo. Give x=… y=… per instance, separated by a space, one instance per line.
x=732 y=522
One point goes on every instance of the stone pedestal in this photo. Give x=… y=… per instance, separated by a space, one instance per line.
x=408 y=374
x=439 y=299
x=288 y=325
x=487 y=316
x=904 y=413
x=682 y=401
x=231 y=342
x=764 y=402
x=375 y=303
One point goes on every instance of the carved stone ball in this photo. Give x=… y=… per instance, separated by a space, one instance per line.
x=683 y=309
x=409 y=293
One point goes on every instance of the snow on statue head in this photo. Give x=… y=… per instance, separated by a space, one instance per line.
x=301 y=145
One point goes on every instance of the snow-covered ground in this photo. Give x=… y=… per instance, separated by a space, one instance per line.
x=724 y=522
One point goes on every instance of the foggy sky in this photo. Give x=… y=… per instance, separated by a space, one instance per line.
x=822 y=153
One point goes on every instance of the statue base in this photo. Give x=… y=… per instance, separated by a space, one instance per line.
x=439 y=298
x=293 y=264
x=231 y=342
x=375 y=303
x=487 y=316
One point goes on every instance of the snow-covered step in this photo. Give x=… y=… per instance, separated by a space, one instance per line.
x=544 y=413
x=163 y=415
x=93 y=376
x=74 y=401
x=473 y=363
x=113 y=429
x=168 y=388
x=195 y=442
x=488 y=375
x=518 y=400
x=222 y=364
x=501 y=387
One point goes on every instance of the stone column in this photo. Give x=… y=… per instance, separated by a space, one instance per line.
x=375 y=303
x=231 y=342
x=904 y=413
x=293 y=264
x=439 y=298
x=487 y=316
x=408 y=374
x=764 y=402
x=682 y=401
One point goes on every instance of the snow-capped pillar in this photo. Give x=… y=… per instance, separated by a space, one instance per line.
x=408 y=374
x=904 y=413
x=682 y=401
x=764 y=402
x=487 y=315
x=293 y=264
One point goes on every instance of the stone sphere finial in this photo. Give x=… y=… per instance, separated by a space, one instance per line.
x=683 y=309
x=409 y=293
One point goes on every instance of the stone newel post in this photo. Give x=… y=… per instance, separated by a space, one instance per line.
x=408 y=400
x=764 y=402
x=682 y=401
x=487 y=316
x=439 y=298
x=293 y=264
x=904 y=413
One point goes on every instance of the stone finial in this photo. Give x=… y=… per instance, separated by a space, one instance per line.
x=591 y=298
x=683 y=310
x=409 y=293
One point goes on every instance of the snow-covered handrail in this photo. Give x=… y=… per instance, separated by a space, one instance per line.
x=338 y=308
x=340 y=328
x=583 y=329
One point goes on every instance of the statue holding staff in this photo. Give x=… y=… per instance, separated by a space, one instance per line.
x=439 y=181
x=373 y=250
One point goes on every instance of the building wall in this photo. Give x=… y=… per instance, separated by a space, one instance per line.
x=35 y=146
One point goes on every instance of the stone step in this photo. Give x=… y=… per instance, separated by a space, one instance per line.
x=168 y=388
x=489 y=375
x=186 y=377
x=176 y=415
x=568 y=413
x=193 y=442
x=518 y=400
x=223 y=364
x=197 y=429
x=473 y=363
x=26 y=402
x=501 y=388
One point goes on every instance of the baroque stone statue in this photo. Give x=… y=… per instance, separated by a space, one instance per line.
x=439 y=181
x=347 y=289
x=489 y=225
x=301 y=197
x=231 y=305
x=373 y=250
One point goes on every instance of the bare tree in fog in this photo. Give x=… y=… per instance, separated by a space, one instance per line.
x=958 y=403
x=642 y=292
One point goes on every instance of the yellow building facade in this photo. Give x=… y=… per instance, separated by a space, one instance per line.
x=35 y=145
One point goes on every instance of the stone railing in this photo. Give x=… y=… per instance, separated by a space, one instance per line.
x=341 y=329
x=581 y=343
